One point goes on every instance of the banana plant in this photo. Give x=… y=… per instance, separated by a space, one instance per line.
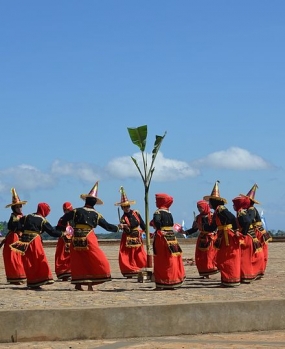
x=139 y=137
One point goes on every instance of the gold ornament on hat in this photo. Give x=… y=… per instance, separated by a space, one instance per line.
x=251 y=194
x=15 y=199
x=93 y=194
x=215 y=194
x=124 y=200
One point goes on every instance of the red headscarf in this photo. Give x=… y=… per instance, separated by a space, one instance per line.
x=163 y=200
x=43 y=209
x=206 y=210
x=67 y=206
x=241 y=202
x=204 y=205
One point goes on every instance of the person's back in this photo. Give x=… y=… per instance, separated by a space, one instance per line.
x=86 y=216
x=89 y=264
x=205 y=253
x=169 y=272
x=227 y=241
x=30 y=246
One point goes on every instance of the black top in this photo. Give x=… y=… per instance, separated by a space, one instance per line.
x=62 y=226
x=225 y=217
x=133 y=219
x=244 y=221
x=254 y=214
x=203 y=221
x=87 y=216
x=37 y=224
x=13 y=224
x=162 y=219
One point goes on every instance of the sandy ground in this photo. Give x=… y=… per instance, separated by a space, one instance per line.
x=121 y=292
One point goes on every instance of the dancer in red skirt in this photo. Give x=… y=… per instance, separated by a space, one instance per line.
x=62 y=250
x=132 y=255
x=168 y=268
x=205 y=252
x=89 y=264
x=14 y=269
x=30 y=246
x=228 y=239
x=251 y=248
x=261 y=233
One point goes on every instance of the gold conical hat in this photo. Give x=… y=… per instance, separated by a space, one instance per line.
x=124 y=200
x=93 y=194
x=215 y=194
x=251 y=194
x=15 y=199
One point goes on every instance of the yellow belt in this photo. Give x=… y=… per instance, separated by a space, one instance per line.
x=83 y=226
x=225 y=229
x=166 y=228
x=30 y=232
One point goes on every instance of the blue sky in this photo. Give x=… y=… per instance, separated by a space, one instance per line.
x=76 y=74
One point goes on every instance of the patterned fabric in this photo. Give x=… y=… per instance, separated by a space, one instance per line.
x=173 y=244
x=79 y=240
x=30 y=246
x=22 y=245
x=132 y=254
x=13 y=263
x=169 y=272
x=89 y=264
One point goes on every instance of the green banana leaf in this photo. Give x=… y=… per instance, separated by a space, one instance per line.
x=157 y=144
x=138 y=136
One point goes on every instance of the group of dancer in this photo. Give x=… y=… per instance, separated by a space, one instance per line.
x=235 y=246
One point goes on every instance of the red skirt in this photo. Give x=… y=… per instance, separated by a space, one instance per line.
x=264 y=239
x=13 y=264
x=36 y=265
x=168 y=268
x=131 y=258
x=228 y=257
x=206 y=254
x=265 y=255
x=62 y=258
x=89 y=264
x=252 y=261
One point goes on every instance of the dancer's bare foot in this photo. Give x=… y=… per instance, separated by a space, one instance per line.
x=78 y=287
x=90 y=288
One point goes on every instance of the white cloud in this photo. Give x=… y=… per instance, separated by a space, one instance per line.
x=165 y=169
x=233 y=158
x=27 y=178
x=82 y=171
